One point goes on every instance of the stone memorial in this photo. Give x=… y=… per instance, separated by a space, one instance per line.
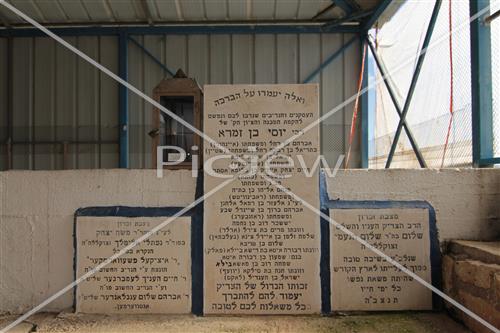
x=362 y=280
x=261 y=246
x=152 y=277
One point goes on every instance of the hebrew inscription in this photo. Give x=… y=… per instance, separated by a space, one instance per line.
x=362 y=280
x=153 y=277
x=262 y=247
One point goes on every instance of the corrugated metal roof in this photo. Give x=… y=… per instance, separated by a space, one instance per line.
x=164 y=11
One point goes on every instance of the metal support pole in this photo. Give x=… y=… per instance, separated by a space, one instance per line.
x=123 y=100
x=364 y=112
x=151 y=56
x=10 y=111
x=330 y=59
x=395 y=101
x=482 y=110
x=414 y=80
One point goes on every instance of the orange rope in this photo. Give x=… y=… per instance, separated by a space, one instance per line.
x=451 y=84
x=356 y=108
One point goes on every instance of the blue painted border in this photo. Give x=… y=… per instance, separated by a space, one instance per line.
x=325 y=248
x=197 y=264
x=435 y=251
x=127 y=211
x=326 y=204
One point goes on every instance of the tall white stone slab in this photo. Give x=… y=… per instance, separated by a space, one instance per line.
x=262 y=247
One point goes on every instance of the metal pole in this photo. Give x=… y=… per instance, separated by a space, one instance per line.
x=482 y=110
x=414 y=80
x=392 y=94
x=123 y=100
x=364 y=112
x=10 y=111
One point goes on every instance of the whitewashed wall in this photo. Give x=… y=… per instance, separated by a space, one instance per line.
x=37 y=214
x=465 y=200
x=36 y=223
x=58 y=97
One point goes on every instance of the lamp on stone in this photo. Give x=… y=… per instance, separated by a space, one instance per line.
x=182 y=96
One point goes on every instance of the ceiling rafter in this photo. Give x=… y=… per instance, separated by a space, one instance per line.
x=109 y=10
x=4 y=20
x=356 y=17
x=179 y=10
x=324 y=11
x=38 y=11
x=147 y=12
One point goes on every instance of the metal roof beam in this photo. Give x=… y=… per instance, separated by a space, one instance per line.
x=347 y=6
x=376 y=14
x=323 y=11
x=351 y=18
x=182 y=30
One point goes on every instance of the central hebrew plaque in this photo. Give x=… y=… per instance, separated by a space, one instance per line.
x=262 y=247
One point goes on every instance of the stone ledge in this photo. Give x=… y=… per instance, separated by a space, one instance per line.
x=487 y=252
x=471 y=275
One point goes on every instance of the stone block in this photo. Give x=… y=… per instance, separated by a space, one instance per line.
x=480 y=307
x=497 y=287
x=465 y=271
x=476 y=273
x=448 y=271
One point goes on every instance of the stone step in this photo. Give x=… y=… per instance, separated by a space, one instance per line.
x=487 y=252
x=471 y=275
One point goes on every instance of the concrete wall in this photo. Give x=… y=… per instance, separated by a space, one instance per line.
x=36 y=227
x=466 y=200
x=37 y=207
